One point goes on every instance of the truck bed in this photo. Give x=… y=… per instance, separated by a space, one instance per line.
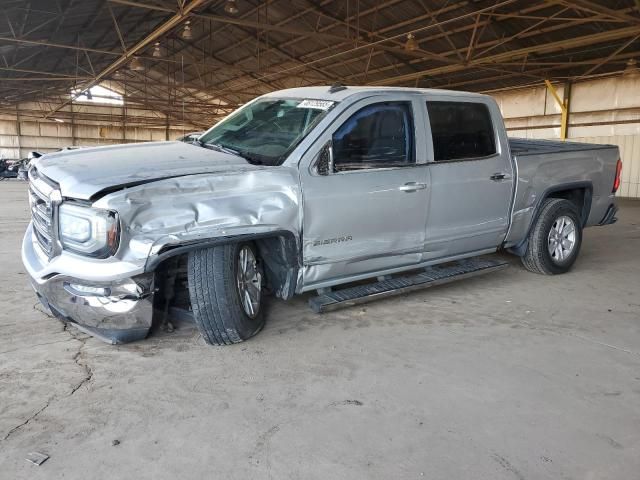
x=545 y=166
x=526 y=146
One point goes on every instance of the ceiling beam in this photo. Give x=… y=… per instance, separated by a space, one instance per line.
x=40 y=72
x=165 y=27
x=44 y=43
x=592 y=7
x=242 y=22
x=613 y=54
x=363 y=47
x=550 y=47
x=531 y=34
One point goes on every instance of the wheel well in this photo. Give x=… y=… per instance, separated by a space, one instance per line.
x=280 y=258
x=278 y=251
x=579 y=196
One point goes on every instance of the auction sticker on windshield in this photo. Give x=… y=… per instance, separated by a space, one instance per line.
x=316 y=104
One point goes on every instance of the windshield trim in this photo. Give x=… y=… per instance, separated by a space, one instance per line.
x=275 y=161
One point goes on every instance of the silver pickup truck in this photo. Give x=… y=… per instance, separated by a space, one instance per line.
x=307 y=189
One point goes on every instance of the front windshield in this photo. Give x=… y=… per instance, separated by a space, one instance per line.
x=267 y=130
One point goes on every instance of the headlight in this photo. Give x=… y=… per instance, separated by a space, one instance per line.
x=88 y=231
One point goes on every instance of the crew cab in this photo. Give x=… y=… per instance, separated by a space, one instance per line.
x=306 y=189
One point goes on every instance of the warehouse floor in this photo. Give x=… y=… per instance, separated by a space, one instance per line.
x=507 y=376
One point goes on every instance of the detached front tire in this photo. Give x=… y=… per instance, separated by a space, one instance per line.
x=225 y=288
x=555 y=239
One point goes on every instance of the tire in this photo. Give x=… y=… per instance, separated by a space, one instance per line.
x=557 y=214
x=215 y=293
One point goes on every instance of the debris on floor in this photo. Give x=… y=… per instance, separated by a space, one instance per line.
x=37 y=458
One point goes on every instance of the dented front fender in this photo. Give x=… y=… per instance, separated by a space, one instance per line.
x=179 y=211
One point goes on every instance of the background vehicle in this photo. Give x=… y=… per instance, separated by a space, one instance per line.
x=23 y=166
x=189 y=137
x=9 y=168
x=300 y=190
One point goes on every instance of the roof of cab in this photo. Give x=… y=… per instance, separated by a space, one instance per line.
x=325 y=93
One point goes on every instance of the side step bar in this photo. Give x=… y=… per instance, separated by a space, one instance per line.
x=429 y=277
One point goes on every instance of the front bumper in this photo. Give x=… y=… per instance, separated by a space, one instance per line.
x=116 y=311
x=123 y=313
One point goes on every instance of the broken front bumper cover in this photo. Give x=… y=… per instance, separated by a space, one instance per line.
x=115 y=311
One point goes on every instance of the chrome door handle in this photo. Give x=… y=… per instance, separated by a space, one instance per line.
x=412 y=187
x=496 y=177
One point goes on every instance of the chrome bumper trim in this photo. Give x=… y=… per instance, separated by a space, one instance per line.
x=124 y=315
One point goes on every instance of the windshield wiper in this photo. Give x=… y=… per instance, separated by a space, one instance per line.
x=218 y=147
x=231 y=151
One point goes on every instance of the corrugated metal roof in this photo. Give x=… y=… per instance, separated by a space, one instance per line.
x=47 y=48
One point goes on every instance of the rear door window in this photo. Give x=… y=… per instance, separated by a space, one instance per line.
x=461 y=130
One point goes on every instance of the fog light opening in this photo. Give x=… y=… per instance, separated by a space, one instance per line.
x=87 y=290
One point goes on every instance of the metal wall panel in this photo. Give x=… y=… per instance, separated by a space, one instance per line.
x=630 y=155
x=605 y=110
x=47 y=135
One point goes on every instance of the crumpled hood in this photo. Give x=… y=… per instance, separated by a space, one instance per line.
x=85 y=172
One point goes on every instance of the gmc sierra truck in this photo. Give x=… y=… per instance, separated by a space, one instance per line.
x=354 y=192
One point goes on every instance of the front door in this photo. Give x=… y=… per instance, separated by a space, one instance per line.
x=471 y=179
x=369 y=213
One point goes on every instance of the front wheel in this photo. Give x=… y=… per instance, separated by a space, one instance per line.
x=555 y=239
x=225 y=287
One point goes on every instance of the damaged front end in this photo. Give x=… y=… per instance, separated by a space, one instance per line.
x=115 y=312
x=115 y=297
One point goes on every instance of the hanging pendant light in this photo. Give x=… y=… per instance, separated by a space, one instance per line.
x=631 y=69
x=136 y=65
x=156 y=50
x=231 y=8
x=411 y=44
x=187 y=34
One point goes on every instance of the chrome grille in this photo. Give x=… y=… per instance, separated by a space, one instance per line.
x=42 y=213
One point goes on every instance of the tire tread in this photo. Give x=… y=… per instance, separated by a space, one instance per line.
x=216 y=307
x=537 y=259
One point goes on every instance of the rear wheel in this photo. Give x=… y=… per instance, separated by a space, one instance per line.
x=555 y=239
x=225 y=287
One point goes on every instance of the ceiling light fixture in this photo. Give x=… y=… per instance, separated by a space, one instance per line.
x=136 y=65
x=411 y=44
x=59 y=120
x=156 y=50
x=631 y=68
x=231 y=8
x=187 y=34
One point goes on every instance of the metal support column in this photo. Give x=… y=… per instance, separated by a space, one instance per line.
x=18 y=131
x=564 y=106
x=73 y=125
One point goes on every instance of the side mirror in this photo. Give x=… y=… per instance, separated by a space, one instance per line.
x=33 y=155
x=324 y=165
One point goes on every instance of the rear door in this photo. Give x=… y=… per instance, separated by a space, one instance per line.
x=471 y=177
x=368 y=215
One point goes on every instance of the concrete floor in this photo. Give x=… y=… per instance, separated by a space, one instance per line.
x=508 y=376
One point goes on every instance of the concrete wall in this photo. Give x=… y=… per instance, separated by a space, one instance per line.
x=603 y=110
x=24 y=129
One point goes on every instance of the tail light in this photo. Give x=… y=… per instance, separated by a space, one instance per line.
x=616 y=182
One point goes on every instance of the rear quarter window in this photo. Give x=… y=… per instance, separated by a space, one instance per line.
x=461 y=130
